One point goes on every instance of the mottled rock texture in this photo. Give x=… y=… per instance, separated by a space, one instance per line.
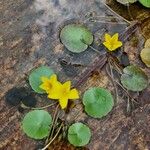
x=29 y=37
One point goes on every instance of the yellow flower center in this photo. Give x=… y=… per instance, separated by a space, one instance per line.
x=111 y=42
x=50 y=85
x=65 y=92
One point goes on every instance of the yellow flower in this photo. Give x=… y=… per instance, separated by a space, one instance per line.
x=58 y=91
x=64 y=94
x=112 y=43
x=50 y=85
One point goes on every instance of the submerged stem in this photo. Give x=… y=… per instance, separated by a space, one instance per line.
x=53 y=138
x=111 y=75
x=126 y=92
x=116 y=13
x=34 y=108
x=97 y=51
x=129 y=12
x=55 y=118
x=109 y=22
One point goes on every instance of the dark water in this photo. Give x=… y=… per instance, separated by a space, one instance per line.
x=134 y=12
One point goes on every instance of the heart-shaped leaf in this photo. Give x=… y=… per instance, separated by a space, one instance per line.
x=134 y=78
x=35 y=77
x=76 y=37
x=145 y=56
x=79 y=134
x=145 y=3
x=36 y=124
x=98 y=102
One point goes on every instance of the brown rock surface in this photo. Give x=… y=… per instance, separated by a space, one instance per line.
x=29 y=37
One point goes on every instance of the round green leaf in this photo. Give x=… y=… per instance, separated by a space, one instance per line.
x=98 y=102
x=76 y=37
x=145 y=56
x=145 y=3
x=79 y=134
x=35 y=77
x=147 y=43
x=36 y=124
x=134 y=78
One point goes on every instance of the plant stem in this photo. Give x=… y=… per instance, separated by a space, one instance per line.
x=22 y=105
x=53 y=138
x=126 y=91
x=53 y=124
x=115 y=65
x=116 y=13
x=97 y=51
x=129 y=12
x=128 y=105
x=111 y=75
x=55 y=118
x=110 y=22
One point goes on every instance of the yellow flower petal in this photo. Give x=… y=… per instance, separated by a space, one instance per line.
x=112 y=43
x=67 y=85
x=43 y=86
x=51 y=84
x=115 y=37
x=53 y=78
x=112 y=48
x=44 y=79
x=107 y=45
x=73 y=94
x=118 y=44
x=58 y=91
x=63 y=102
x=107 y=37
x=55 y=93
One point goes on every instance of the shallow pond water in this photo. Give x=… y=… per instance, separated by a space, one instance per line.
x=30 y=37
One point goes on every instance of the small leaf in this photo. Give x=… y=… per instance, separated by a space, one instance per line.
x=35 y=77
x=147 y=43
x=145 y=3
x=134 y=78
x=76 y=37
x=79 y=134
x=98 y=102
x=124 y=60
x=36 y=124
x=145 y=56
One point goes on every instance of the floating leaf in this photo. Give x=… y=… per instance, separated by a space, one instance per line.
x=35 y=77
x=98 y=102
x=134 y=78
x=124 y=2
x=36 y=124
x=79 y=134
x=147 y=44
x=145 y=56
x=145 y=3
x=76 y=37
x=124 y=60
